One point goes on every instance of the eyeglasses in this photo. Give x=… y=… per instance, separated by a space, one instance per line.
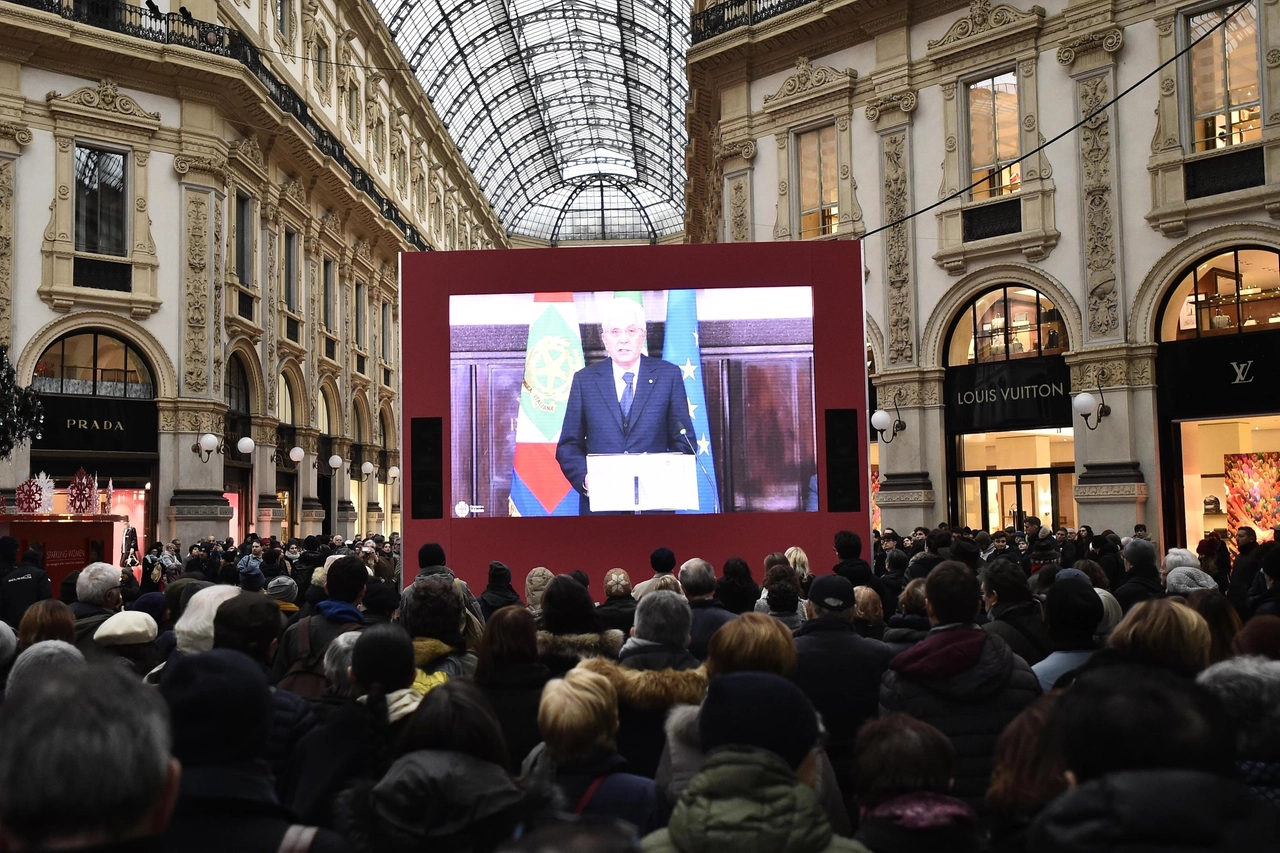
x=629 y=331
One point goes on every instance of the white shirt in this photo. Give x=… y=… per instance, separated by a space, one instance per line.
x=618 y=385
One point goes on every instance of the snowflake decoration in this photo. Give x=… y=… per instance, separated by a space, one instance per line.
x=46 y=492
x=27 y=497
x=80 y=494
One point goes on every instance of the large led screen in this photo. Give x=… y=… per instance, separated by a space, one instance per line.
x=690 y=401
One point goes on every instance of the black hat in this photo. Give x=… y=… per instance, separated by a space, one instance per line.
x=581 y=577
x=380 y=599
x=831 y=592
x=782 y=719
x=220 y=706
x=1073 y=610
x=499 y=573
x=430 y=554
x=662 y=561
x=311 y=543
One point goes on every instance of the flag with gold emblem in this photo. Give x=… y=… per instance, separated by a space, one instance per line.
x=552 y=356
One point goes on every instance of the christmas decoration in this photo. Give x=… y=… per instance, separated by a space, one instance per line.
x=46 y=492
x=21 y=413
x=80 y=494
x=27 y=497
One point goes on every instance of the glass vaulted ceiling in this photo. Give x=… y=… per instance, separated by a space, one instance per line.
x=569 y=112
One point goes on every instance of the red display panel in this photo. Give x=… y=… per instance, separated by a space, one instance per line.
x=461 y=402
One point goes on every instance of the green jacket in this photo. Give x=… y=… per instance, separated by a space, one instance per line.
x=747 y=800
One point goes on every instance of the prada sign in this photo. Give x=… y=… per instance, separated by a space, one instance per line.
x=102 y=424
x=1025 y=393
x=1221 y=376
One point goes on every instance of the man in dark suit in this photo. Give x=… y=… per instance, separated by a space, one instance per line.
x=628 y=403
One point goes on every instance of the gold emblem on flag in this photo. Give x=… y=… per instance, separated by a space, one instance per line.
x=548 y=371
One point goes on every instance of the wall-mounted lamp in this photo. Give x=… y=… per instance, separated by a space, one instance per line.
x=296 y=455
x=1087 y=406
x=207 y=445
x=393 y=474
x=366 y=469
x=882 y=421
x=246 y=445
x=335 y=462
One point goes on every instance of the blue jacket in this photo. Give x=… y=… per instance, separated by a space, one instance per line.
x=593 y=418
x=621 y=795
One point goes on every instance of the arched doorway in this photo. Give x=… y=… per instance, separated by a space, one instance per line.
x=98 y=392
x=237 y=467
x=1218 y=330
x=1010 y=444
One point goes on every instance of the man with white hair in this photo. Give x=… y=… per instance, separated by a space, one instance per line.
x=628 y=403
x=97 y=598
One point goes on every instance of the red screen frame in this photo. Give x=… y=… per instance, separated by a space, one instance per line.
x=595 y=544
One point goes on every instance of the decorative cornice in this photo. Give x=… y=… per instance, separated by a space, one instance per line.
x=905 y=101
x=19 y=133
x=249 y=151
x=105 y=97
x=1109 y=40
x=982 y=18
x=809 y=78
x=215 y=167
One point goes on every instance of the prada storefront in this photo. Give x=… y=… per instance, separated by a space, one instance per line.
x=1007 y=389
x=1218 y=371
x=100 y=415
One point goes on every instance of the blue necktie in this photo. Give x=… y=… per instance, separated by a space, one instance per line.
x=628 y=394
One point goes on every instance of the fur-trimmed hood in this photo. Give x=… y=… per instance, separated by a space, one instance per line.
x=652 y=689
x=606 y=644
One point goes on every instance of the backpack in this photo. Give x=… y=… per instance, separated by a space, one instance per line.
x=306 y=677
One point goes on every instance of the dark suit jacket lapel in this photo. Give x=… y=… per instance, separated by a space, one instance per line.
x=608 y=393
x=644 y=386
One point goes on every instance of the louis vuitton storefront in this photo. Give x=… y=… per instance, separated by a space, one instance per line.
x=1218 y=371
x=100 y=415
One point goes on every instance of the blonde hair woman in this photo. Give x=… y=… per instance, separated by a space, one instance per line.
x=799 y=561
x=1166 y=633
x=578 y=719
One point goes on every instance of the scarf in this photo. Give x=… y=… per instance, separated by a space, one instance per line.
x=401 y=703
x=637 y=644
x=340 y=611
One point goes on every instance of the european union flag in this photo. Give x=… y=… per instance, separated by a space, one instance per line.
x=682 y=348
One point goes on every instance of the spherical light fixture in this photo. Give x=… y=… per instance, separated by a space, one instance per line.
x=335 y=462
x=393 y=473
x=245 y=445
x=297 y=454
x=881 y=420
x=209 y=442
x=1084 y=404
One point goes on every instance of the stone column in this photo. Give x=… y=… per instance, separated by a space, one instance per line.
x=915 y=459
x=345 y=515
x=311 y=513
x=269 y=512
x=191 y=488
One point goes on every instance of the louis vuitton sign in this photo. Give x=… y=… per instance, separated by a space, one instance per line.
x=1028 y=393
x=97 y=424
x=1221 y=376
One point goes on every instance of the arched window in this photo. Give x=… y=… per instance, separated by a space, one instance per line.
x=357 y=425
x=1227 y=293
x=286 y=401
x=94 y=364
x=1007 y=321
x=237 y=387
x=386 y=424
x=323 y=414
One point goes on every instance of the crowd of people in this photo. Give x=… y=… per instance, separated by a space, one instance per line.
x=950 y=690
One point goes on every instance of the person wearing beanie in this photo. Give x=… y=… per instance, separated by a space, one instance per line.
x=619 y=608
x=221 y=709
x=1141 y=578
x=535 y=585
x=308 y=561
x=755 y=792
x=663 y=562
x=1184 y=581
x=41 y=659
x=283 y=590
x=154 y=605
x=430 y=564
x=380 y=603
x=499 y=592
x=252 y=579
x=581 y=577
x=1073 y=611
x=22 y=587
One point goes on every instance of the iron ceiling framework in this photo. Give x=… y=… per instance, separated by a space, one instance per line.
x=569 y=112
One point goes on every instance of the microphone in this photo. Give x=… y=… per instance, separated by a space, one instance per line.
x=715 y=495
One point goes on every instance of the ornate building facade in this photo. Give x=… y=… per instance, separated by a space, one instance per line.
x=200 y=214
x=1095 y=186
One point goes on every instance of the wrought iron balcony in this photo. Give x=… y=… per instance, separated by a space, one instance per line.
x=175 y=28
x=723 y=17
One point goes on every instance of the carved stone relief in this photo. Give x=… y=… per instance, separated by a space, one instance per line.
x=901 y=349
x=107 y=98
x=217 y=295
x=739 y=211
x=1099 y=230
x=6 y=250
x=808 y=77
x=983 y=18
x=1109 y=40
x=195 y=359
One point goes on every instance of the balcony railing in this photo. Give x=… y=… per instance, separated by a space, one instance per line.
x=177 y=29
x=723 y=17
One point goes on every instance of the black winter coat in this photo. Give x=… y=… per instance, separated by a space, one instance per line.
x=970 y=685
x=514 y=690
x=20 y=589
x=709 y=615
x=1019 y=624
x=737 y=596
x=618 y=612
x=291 y=720
x=840 y=672
x=1139 y=585
x=1149 y=810
x=1242 y=574
x=859 y=573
